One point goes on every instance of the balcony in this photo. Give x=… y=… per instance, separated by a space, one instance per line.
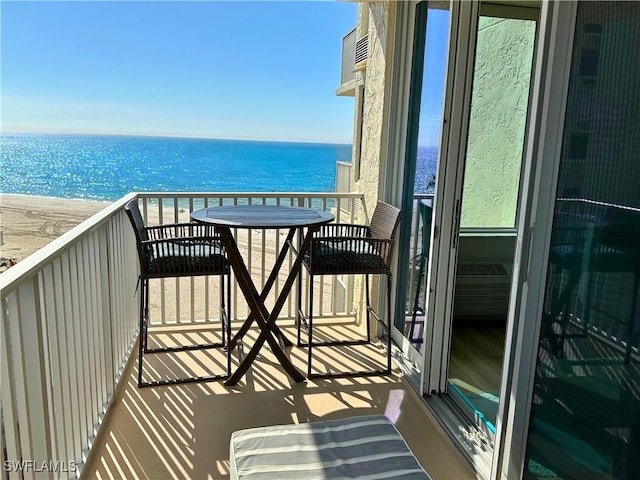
x=69 y=327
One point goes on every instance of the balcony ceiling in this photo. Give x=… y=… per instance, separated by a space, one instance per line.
x=518 y=3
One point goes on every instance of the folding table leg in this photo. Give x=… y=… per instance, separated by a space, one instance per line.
x=260 y=314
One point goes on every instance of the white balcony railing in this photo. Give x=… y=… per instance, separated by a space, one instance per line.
x=68 y=323
x=418 y=250
x=69 y=317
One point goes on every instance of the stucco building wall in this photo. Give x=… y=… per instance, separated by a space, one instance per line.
x=368 y=174
x=497 y=124
x=375 y=97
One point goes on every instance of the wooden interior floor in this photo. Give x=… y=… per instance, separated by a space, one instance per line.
x=476 y=357
x=183 y=431
x=476 y=365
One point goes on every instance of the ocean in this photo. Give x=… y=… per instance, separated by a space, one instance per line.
x=103 y=167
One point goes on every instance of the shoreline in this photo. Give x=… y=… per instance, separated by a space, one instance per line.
x=16 y=196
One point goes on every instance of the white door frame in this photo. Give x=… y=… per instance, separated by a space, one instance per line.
x=448 y=200
x=399 y=107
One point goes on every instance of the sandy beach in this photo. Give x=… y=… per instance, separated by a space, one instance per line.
x=28 y=223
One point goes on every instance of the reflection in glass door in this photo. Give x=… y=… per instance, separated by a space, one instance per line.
x=487 y=237
x=585 y=420
x=423 y=166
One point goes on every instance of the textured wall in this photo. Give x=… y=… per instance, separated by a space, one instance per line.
x=376 y=94
x=381 y=17
x=496 y=128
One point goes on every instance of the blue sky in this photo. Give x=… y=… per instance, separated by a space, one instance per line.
x=259 y=70
x=434 y=70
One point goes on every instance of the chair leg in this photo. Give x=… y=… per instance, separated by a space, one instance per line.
x=310 y=326
x=142 y=334
x=145 y=289
x=225 y=314
x=299 y=311
x=388 y=323
x=228 y=326
x=368 y=309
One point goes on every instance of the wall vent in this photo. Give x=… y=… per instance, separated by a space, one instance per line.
x=361 y=49
x=482 y=292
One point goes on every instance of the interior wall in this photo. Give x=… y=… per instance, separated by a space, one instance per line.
x=486 y=248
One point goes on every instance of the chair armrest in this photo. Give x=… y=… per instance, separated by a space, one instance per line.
x=182 y=232
x=342 y=230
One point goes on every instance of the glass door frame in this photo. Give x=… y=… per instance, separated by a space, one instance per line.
x=448 y=196
x=412 y=23
x=544 y=141
x=450 y=180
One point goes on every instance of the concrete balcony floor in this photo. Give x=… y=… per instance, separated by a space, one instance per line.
x=183 y=431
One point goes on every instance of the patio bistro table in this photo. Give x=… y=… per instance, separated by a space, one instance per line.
x=263 y=217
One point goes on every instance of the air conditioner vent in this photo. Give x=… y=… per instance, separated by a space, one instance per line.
x=482 y=293
x=481 y=269
x=361 y=49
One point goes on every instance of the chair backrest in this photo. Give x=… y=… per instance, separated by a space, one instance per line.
x=384 y=221
x=133 y=212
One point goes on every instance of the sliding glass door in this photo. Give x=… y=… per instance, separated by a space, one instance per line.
x=431 y=39
x=469 y=108
x=487 y=237
x=585 y=416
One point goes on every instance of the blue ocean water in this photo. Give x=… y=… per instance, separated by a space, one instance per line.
x=426 y=167
x=101 y=167
x=96 y=167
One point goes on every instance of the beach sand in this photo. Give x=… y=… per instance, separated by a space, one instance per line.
x=28 y=223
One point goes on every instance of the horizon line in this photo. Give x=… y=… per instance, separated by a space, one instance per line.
x=52 y=131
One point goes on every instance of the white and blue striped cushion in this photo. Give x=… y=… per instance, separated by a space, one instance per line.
x=367 y=447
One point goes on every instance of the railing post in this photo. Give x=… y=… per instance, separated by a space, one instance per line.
x=8 y=413
x=27 y=373
x=106 y=273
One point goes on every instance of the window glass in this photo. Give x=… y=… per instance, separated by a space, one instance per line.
x=586 y=406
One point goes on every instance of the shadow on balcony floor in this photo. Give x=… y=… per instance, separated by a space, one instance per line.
x=183 y=431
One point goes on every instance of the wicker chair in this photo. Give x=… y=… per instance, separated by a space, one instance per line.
x=178 y=250
x=345 y=249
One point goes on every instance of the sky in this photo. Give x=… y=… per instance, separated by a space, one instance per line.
x=433 y=76
x=251 y=70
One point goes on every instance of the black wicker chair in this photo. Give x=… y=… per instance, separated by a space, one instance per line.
x=178 y=250
x=345 y=249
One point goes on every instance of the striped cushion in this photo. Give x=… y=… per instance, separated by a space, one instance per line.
x=367 y=447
